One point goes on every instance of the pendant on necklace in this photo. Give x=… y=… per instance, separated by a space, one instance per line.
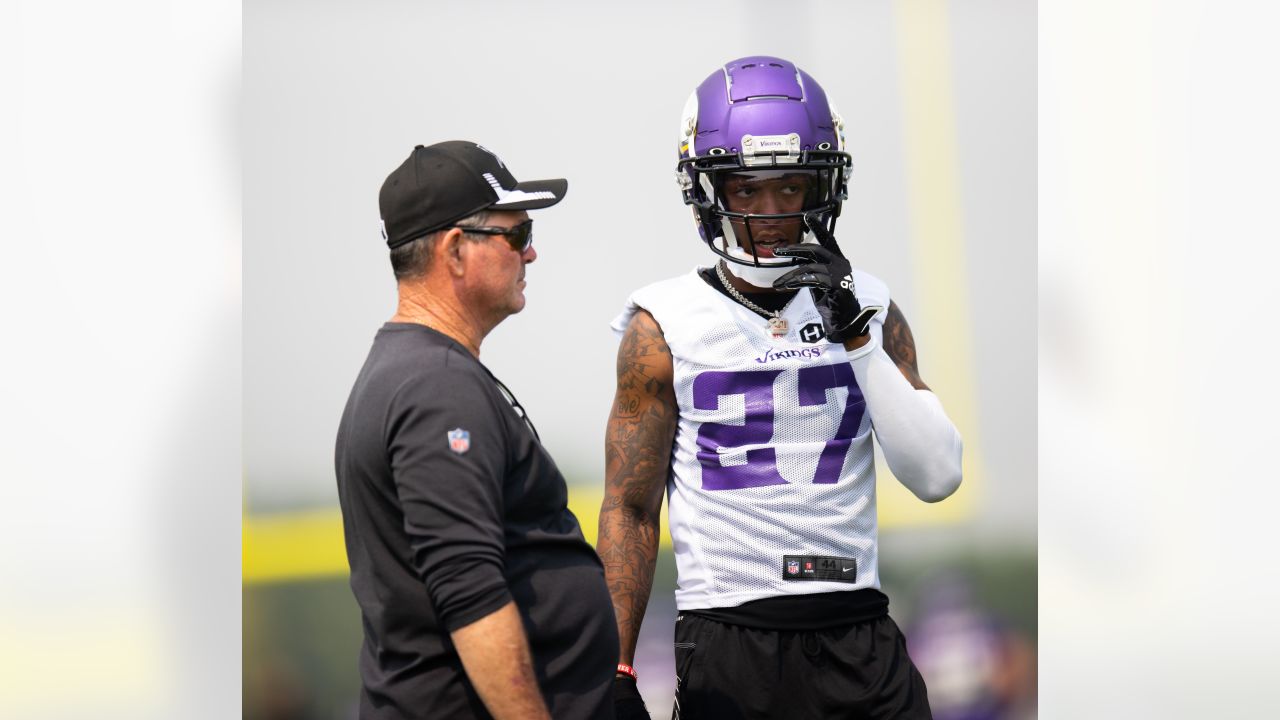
x=777 y=326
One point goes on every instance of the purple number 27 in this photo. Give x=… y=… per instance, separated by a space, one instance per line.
x=756 y=389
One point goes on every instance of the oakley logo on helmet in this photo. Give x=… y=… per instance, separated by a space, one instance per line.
x=764 y=149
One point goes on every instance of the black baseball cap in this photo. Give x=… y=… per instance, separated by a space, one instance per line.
x=443 y=183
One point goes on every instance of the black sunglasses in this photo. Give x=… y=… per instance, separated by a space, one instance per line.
x=519 y=237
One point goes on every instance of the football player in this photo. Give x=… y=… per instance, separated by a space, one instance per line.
x=748 y=393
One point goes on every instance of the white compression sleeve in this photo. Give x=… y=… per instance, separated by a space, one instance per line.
x=919 y=441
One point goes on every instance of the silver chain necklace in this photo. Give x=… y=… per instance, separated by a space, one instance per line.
x=776 y=323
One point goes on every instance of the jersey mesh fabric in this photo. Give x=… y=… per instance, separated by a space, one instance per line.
x=730 y=536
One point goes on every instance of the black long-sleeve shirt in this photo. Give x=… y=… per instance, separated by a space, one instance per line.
x=451 y=508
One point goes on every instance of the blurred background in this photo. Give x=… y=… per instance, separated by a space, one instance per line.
x=124 y=453
x=939 y=99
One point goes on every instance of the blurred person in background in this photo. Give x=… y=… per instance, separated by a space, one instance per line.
x=478 y=594
x=748 y=391
x=978 y=666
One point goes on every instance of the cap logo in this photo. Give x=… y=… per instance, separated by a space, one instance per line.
x=507 y=197
x=495 y=155
x=493 y=183
x=383 y=225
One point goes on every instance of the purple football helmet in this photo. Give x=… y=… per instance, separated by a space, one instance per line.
x=759 y=115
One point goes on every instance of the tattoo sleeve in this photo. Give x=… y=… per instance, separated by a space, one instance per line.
x=638 y=443
x=901 y=346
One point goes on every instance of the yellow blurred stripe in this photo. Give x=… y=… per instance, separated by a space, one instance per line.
x=293 y=546
x=304 y=545
x=941 y=321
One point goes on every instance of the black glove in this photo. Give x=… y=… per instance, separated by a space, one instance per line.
x=831 y=278
x=627 y=703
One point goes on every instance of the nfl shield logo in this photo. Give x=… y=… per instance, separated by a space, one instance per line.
x=459 y=440
x=793 y=567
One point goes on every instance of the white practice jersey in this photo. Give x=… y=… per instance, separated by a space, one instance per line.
x=772 y=488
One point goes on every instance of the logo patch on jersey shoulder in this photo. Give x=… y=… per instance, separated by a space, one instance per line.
x=818 y=567
x=459 y=440
x=812 y=333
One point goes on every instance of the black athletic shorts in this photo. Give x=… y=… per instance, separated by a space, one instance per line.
x=854 y=672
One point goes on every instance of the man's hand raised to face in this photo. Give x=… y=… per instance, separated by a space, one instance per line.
x=831 y=277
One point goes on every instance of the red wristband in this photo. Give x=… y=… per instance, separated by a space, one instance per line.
x=628 y=670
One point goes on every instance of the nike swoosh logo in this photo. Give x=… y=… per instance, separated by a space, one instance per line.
x=846 y=569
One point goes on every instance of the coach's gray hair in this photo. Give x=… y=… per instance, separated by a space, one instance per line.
x=412 y=259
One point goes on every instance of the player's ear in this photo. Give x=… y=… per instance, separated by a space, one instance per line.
x=448 y=251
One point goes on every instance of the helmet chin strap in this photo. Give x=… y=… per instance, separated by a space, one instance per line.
x=761 y=277
x=764 y=275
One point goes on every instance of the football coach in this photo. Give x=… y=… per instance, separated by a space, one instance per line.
x=478 y=594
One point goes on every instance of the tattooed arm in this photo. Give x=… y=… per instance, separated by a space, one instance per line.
x=920 y=444
x=901 y=346
x=638 y=439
